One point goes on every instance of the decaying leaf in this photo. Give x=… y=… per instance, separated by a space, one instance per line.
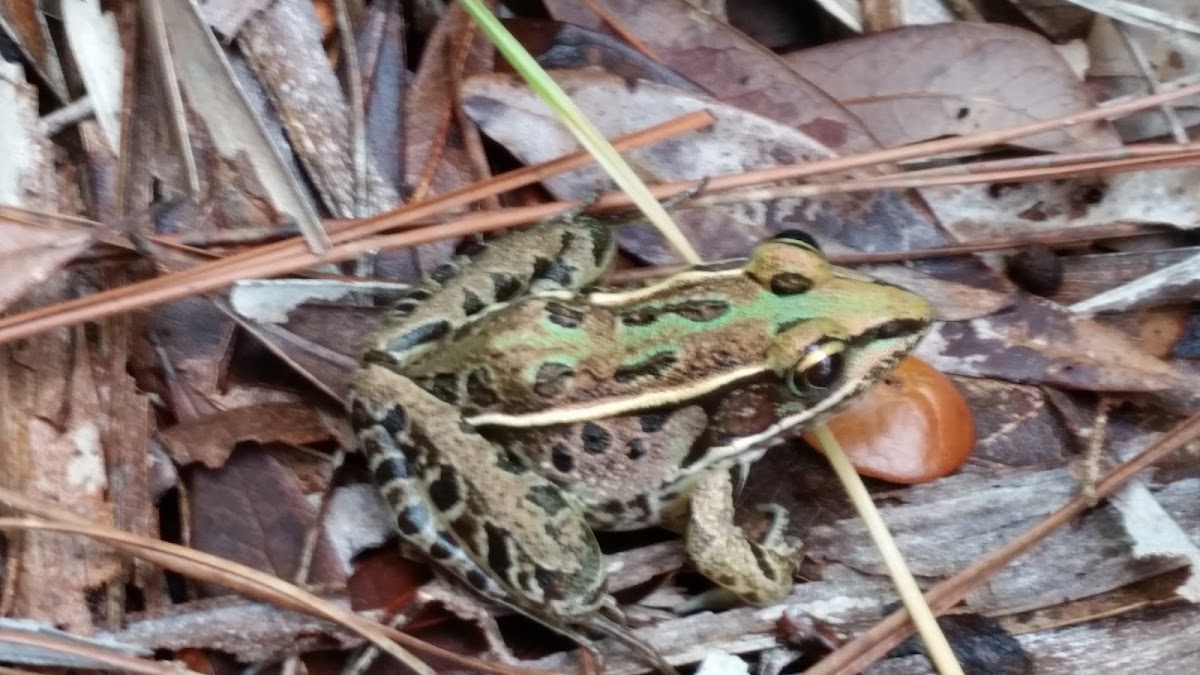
x=923 y=82
x=508 y=112
x=211 y=439
x=267 y=131
x=30 y=254
x=1041 y=342
x=252 y=511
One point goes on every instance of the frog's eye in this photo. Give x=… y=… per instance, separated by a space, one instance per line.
x=798 y=238
x=819 y=368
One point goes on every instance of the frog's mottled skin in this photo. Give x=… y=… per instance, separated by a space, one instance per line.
x=506 y=413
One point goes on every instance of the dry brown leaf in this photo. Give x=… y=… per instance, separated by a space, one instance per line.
x=1036 y=341
x=25 y=27
x=212 y=439
x=252 y=511
x=31 y=253
x=733 y=68
x=925 y=82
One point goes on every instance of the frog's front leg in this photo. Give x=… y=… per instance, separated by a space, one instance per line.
x=755 y=572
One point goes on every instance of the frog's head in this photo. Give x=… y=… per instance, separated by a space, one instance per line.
x=841 y=332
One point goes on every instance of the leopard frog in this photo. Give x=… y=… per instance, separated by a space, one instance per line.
x=507 y=409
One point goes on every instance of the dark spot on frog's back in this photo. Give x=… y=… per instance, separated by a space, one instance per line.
x=653 y=366
x=471 y=304
x=602 y=241
x=652 y=422
x=558 y=272
x=426 y=332
x=642 y=316
x=497 y=550
x=444 y=272
x=702 y=311
x=505 y=286
x=466 y=527
x=390 y=469
x=552 y=379
x=444 y=386
x=636 y=448
x=596 y=438
x=891 y=329
x=563 y=316
x=395 y=422
x=412 y=519
x=477 y=578
x=548 y=498
x=444 y=492
x=440 y=550
x=562 y=459
x=555 y=584
x=479 y=388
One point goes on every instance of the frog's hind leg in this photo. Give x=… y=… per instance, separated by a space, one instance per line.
x=758 y=573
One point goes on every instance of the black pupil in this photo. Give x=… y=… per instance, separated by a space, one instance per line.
x=825 y=373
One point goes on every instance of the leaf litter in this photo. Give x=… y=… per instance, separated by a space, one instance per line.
x=95 y=402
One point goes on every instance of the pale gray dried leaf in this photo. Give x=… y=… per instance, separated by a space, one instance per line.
x=250 y=631
x=1142 y=14
x=1122 y=644
x=227 y=16
x=1165 y=196
x=925 y=82
x=988 y=513
x=1168 y=283
x=1077 y=561
x=1155 y=536
x=272 y=300
x=39 y=655
x=214 y=95
x=94 y=42
x=1168 y=56
x=357 y=519
x=26 y=174
x=284 y=46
